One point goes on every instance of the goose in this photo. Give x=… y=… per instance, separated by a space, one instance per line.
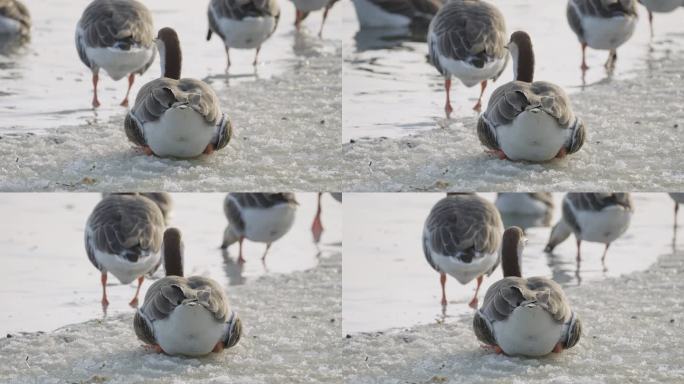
x=15 y=19
x=529 y=209
x=304 y=7
x=123 y=237
x=602 y=24
x=162 y=199
x=395 y=13
x=593 y=217
x=660 y=6
x=467 y=39
x=259 y=217
x=529 y=317
x=678 y=199
x=317 y=226
x=174 y=117
x=185 y=316
x=117 y=36
x=461 y=237
x=243 y=24
x=529 y=120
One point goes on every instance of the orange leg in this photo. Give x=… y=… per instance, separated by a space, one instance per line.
x=473 y=302
x=241 y=259
x=268 y=246
x=558 y=348
x=298 y=19
x=96 y=102
x=584 y=65
x=256 y=56
x=147 y=150
x=218 y=348
x=579 y=257
x=134 y=302
x=442 y=280
x=131 y=79
x=209 y=149
x=562 y=153
x=105 y=302
x=478 y=106
x=447 y=106
x=317 y=226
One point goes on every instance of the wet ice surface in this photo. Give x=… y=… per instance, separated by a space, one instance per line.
x=291 y=326
x=48 y=281
x=286 y=118
x=632 y=332
x=389 y=284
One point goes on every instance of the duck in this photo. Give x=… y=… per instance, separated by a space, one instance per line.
x=15 y=19
x=123 y=236
x=461 y=238
x=678 y=199
x=529 y=209
x=117 y=36
x=529 y=120
x=602 y=24
x=317 y=226
x=593 y=217
x=243 y=24
x=395 y=13
x=188 y=316
x=174 y=117
x=660 y=6
x=304 y=7
x=525 y=316
x=259 y=217
x=467 y=39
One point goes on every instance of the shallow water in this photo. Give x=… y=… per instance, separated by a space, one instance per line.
x=48 y=281
x=388 y=283
x=386 y=71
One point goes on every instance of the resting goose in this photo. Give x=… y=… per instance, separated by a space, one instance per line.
x=467 y=39
x=461 y=237
x=243 y=24
x=529 y=317
x=602 y=24
x=529 y=120
x=660 y=6
x=525 y=209
x=593 y=217
x=123 y=236
x=259 y=217
x=395 y=13
x=117 y=36
x=15 y=19
x=317 y=226
x=174 y=117
x=678 y=199
x=185 y=316
x=304 y=7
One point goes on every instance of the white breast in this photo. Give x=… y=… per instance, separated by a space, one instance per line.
x=247 y=33
x=370 y=15
x=180 y=132
x=268 y=225
x=603 y=226
x=189 y=330
x=528 y=331
x=9 y=26
x=532 y=136
x=309 y=5
x=520 y=203
x=662 y=5
x=610 y=33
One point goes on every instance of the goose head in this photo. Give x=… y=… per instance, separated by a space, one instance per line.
x=170 y=55
x=511 y=251
x=172 y=249
x=520 y=47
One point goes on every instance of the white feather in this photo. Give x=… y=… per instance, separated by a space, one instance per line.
x=607 y=33
x=180 y=132
x=532 y=136
x=189 y=330
x=529 y=330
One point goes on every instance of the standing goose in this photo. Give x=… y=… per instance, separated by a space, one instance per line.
x=123 y=236
x=260 y=217
x=117 y=36
x=602 y=24
x=317 y=226
x=529 y=317
x=529 y=120
x=678 y=199
x=467 y=39
x=461 y=237
x=395 y=13
x=530 y=209
x=660 y=6
x=593 y=217
x=185 y=316
x=304 y=7
x=243 y=24
x=174 y=117
x=15 y=19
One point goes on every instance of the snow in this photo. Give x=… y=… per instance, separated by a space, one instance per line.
x=292 y=334
x=632 y=333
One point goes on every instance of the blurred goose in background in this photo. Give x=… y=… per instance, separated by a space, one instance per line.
x=525 y=209
x=15 y=19
x=660 y=6
x=529 y=317
x=678 y=199
x=117 y=36
x=317 y=226
x=461 y=237
x=123 y=236
x=529 y=120
x=243 y=24
x=259 y=217
x=602 y=24
x=395 y=13
x=467 y=39
x=304 y=7
x=593 y=217
x=174 y=117
x=185 y=316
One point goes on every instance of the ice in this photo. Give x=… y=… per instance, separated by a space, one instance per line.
x=632 y=333
x=292 y=334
